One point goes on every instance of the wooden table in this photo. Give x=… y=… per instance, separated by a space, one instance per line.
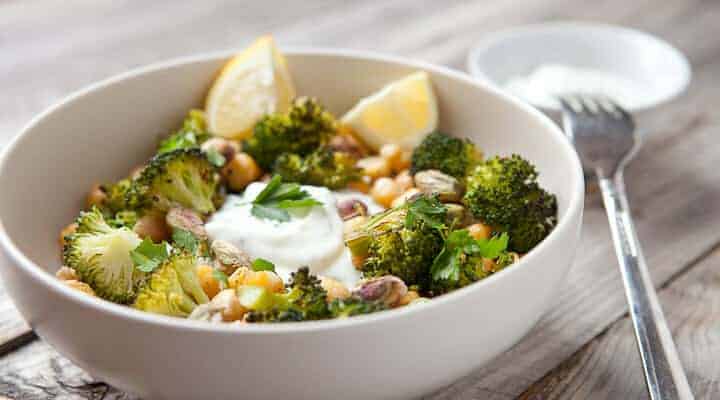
x=584 y=347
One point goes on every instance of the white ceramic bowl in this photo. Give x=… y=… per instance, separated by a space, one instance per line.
x=99 y=133
x=661 y=70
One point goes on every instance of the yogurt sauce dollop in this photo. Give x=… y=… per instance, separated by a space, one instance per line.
x=313 y=237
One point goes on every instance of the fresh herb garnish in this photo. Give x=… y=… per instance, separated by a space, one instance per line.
x=147 y=256
x=215 y=157
x=427 y=209
x=458 y=245
x=261 y=264
x=274 y=200
x=185 y=240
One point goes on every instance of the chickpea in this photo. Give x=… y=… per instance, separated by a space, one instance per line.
x=240 y=171
x=403 y=162
x=67 y=231
x=384 y=191
x=267 y=279
x=96 y=196
x=362 y=185
x=66 y=274
x=479 y=231
x=208 y=282
x=407 y=195
x=408 y=298
x=81 y=286
x=391 y=153
x=152 y=226
x=335 y=289
x=358 y=261
x=488 y=265
x=229 y=305
x=404 y=180
x=227 y=148
x=374 y=167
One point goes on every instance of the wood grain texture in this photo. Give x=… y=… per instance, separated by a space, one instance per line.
x=56 y=47
x=606 y=368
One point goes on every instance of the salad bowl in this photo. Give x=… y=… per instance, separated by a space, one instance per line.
x=100 y=132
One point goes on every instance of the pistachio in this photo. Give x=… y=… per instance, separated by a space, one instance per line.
x=188 y=220
x=447 y=188
x=351 y=208
x=229 y=257
x=458 y=216
x=387 y=289
x=347 y=143
x=227 y=148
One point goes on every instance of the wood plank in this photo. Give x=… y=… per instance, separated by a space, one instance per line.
x=676 y=209
x=608 y=366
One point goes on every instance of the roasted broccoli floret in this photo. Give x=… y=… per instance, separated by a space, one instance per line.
x=351 y=306
x=504 y=193
x=181 y=177
x=305 y=127
x=402 y=241
x=304 y=300
x=118 y=196
x=322 y=167
x=101 y=256
x=172 y=289
x=445 y=153
x=307 y=295
x=191 y=135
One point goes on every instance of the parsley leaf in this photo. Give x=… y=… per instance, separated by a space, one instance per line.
x=447 y=264
x=272 y=202
x=185 y=240
x=458 y=245
x=147 y=256
x=427 y=209
x=215 y=157
x=272 y=213
x=261 y=264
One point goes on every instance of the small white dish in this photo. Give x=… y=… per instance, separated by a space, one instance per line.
x=661 y=71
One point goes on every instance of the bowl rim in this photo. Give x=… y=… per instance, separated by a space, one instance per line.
x=492 y=38
x=50 y=282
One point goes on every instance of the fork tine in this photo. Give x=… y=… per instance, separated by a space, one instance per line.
x=571 y=104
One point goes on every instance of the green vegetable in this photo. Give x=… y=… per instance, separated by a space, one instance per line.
x=305 y=299
x=147 y=256
x=260 y=264
x=323 y=167
x=257 y=298
x=460 y=262
x=445 y=153
x=191 y=135
x=504 y=193
x=351 y=306
x=124 y=218
x=185 y=240
x=402 y=241
x=182 y=177
x=274 y=200
x=100 y=254
x=215 y=157
x=173 y=289
x=118 y=196
x=305 y=127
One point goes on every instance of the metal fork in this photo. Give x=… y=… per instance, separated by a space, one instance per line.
x=604 y=136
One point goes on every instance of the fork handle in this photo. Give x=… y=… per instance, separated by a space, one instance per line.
x=664 y=374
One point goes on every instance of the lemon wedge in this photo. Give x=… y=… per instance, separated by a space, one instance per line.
x=254 y=83
x=402 y=113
